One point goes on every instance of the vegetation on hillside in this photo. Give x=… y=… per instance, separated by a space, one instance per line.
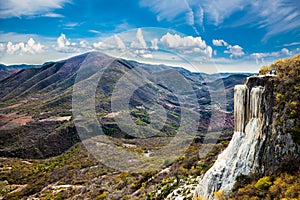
x=76 y=174
x=265 y=70
x=280 y=186
x=287 y=91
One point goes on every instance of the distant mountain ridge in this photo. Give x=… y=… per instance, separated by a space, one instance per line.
x=17 y=67
x=7 y=70
x=211 y=77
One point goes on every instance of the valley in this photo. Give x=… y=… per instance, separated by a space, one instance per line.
x=50 y=149
x=37 y=123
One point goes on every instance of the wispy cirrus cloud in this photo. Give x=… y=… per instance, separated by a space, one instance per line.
x=291 y=44
x=53 y=15
x=72 y=24
x=275 y=16
x=188 y=11
x=94 y=31
x=16 y=8
x=166 y=10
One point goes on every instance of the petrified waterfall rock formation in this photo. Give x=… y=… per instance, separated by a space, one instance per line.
x=256 y=146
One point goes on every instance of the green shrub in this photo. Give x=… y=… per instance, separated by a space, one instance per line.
x=103 y=195
x=264 y=183
x=265 y=70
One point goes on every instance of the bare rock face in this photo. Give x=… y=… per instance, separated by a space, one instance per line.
x=256 y=146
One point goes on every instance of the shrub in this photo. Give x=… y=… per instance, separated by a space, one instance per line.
x=265 y=70
x=220 y=195
x=103 y=195
x=264 y=183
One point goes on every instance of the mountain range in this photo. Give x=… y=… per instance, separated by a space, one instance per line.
x=39 y=97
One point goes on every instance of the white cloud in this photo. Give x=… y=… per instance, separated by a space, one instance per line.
x=83 y=44
x=119 y=41
x=186 y=44
x=2 y=47
x=285 y=51
x=30 y=47
x=124 y=26
x=140 y=43
x=94 y=31
x=62 y=41
x=72 y=25
x=147 y=56
x=291 y=44
x=176 y=41
x=17 y=8
x=215 y=52
x=113 y=43
x=53 y=15
x=199 y=16
x=144 y=53
x=154 y=44
x=99 y=45
x=64 y=45
x=190 y=16
x=234 y=51
x=260 y=57
x=12 y=48
x=220 y=43
x=208 y=51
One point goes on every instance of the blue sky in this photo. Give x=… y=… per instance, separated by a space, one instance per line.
x=201 y=35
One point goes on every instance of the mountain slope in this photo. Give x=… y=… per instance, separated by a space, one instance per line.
x=33 y=98
x=5 y=74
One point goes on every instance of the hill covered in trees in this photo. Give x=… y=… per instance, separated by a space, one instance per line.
x=287 y=91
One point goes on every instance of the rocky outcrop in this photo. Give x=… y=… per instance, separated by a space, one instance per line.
x=256 y=146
